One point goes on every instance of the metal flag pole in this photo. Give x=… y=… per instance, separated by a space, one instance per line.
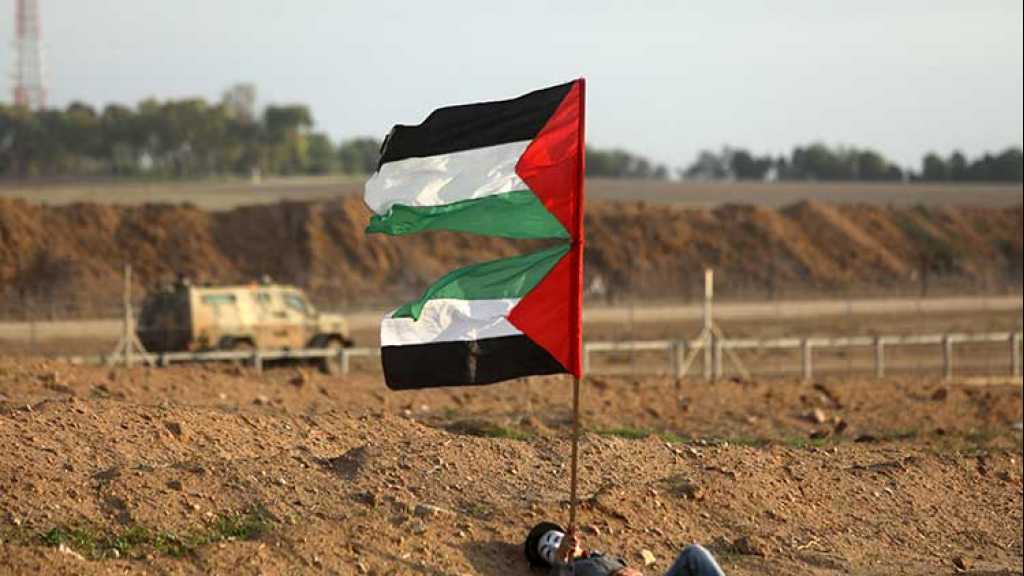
x=578 y=307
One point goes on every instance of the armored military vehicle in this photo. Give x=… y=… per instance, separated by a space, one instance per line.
x=186 y=317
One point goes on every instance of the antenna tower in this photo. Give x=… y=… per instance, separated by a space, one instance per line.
x=28 y=66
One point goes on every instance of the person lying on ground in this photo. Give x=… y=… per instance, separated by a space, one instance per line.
x=549 y=546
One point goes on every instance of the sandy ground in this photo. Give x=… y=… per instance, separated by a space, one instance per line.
x=216 y=469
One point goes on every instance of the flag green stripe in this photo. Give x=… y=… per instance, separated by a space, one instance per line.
x=516 y=214
x=506 y=278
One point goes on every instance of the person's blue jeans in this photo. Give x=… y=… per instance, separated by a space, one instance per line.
x=694 y=560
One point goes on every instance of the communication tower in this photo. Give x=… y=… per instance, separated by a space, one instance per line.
x=28 y=65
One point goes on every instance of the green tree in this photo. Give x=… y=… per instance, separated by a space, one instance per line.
x=708 y=166
x=239 y=102
x=871 y=166
x=285 y=129
x=818 y=162
x=1008 y=166
x=359 y=155
x=933 y=168
x=745 y=166
x=958 y=167
x=322 y=158
x=82 y=136
x=1002 y=167
x=21 y=139
x=119 y=142
x=618 y=163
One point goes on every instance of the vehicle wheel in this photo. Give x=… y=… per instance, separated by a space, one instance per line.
x=235 y=345
x=332 y=364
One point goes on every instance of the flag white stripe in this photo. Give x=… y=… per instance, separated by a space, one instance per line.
x=451 y=320
x=446 y=178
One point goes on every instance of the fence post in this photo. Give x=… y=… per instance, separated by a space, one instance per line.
x=717 y=356
x=127 y=327
x=879 y=357
x=673 y=359
x=678 y=358
x=1015 y=352
x=708 y=353
x=257 y=361
x=805 y=357
x=947 y=357
x=344 y=360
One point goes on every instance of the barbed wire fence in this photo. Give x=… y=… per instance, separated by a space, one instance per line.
x=59 y=319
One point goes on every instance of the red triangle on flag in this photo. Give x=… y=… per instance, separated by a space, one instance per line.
x=552 y=166
x=547 y=314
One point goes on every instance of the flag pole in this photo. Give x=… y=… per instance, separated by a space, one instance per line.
x=578 y=308
x=573 y=499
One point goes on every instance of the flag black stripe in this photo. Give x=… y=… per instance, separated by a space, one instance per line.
x=465 y=363
x=469 y=126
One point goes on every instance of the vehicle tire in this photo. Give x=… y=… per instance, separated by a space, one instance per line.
x=239 y=345
x=331 y=364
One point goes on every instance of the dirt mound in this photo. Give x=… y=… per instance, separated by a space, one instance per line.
x=68 y=259
x=219 y=470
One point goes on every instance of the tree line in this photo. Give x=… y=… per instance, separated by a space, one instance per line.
x=191 y=137
x=814 y=162
x=820 y=162
x=175 y=139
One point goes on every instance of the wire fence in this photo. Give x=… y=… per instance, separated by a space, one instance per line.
x=55 y=296
x=53 y=323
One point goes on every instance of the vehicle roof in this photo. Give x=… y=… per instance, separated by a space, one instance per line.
x=247 y=288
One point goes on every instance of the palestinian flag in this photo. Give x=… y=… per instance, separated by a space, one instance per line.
x=511 y=168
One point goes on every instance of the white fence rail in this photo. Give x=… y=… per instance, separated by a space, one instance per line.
x=675 y=352
x=254 y=358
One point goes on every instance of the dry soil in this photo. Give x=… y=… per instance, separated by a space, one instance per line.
x=216 y=469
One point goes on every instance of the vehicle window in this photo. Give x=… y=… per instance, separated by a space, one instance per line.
x=263 y=299
x=296 y=302
x=218 y=299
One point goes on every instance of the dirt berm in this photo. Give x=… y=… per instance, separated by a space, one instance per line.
x=70 y=257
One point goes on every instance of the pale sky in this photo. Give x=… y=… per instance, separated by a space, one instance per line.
x=665 y=79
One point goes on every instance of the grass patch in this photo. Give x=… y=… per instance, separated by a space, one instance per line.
x=981 y=438
x=804 y=442
x=631 y=433
x=974 y=442
x=627 y=432
x=896 y=435
x=742 y=440
x=83 y=540
x=250 y=525
x=673 y=438
x=96 y=543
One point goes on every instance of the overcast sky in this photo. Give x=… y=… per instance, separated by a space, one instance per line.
x=665 y=79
